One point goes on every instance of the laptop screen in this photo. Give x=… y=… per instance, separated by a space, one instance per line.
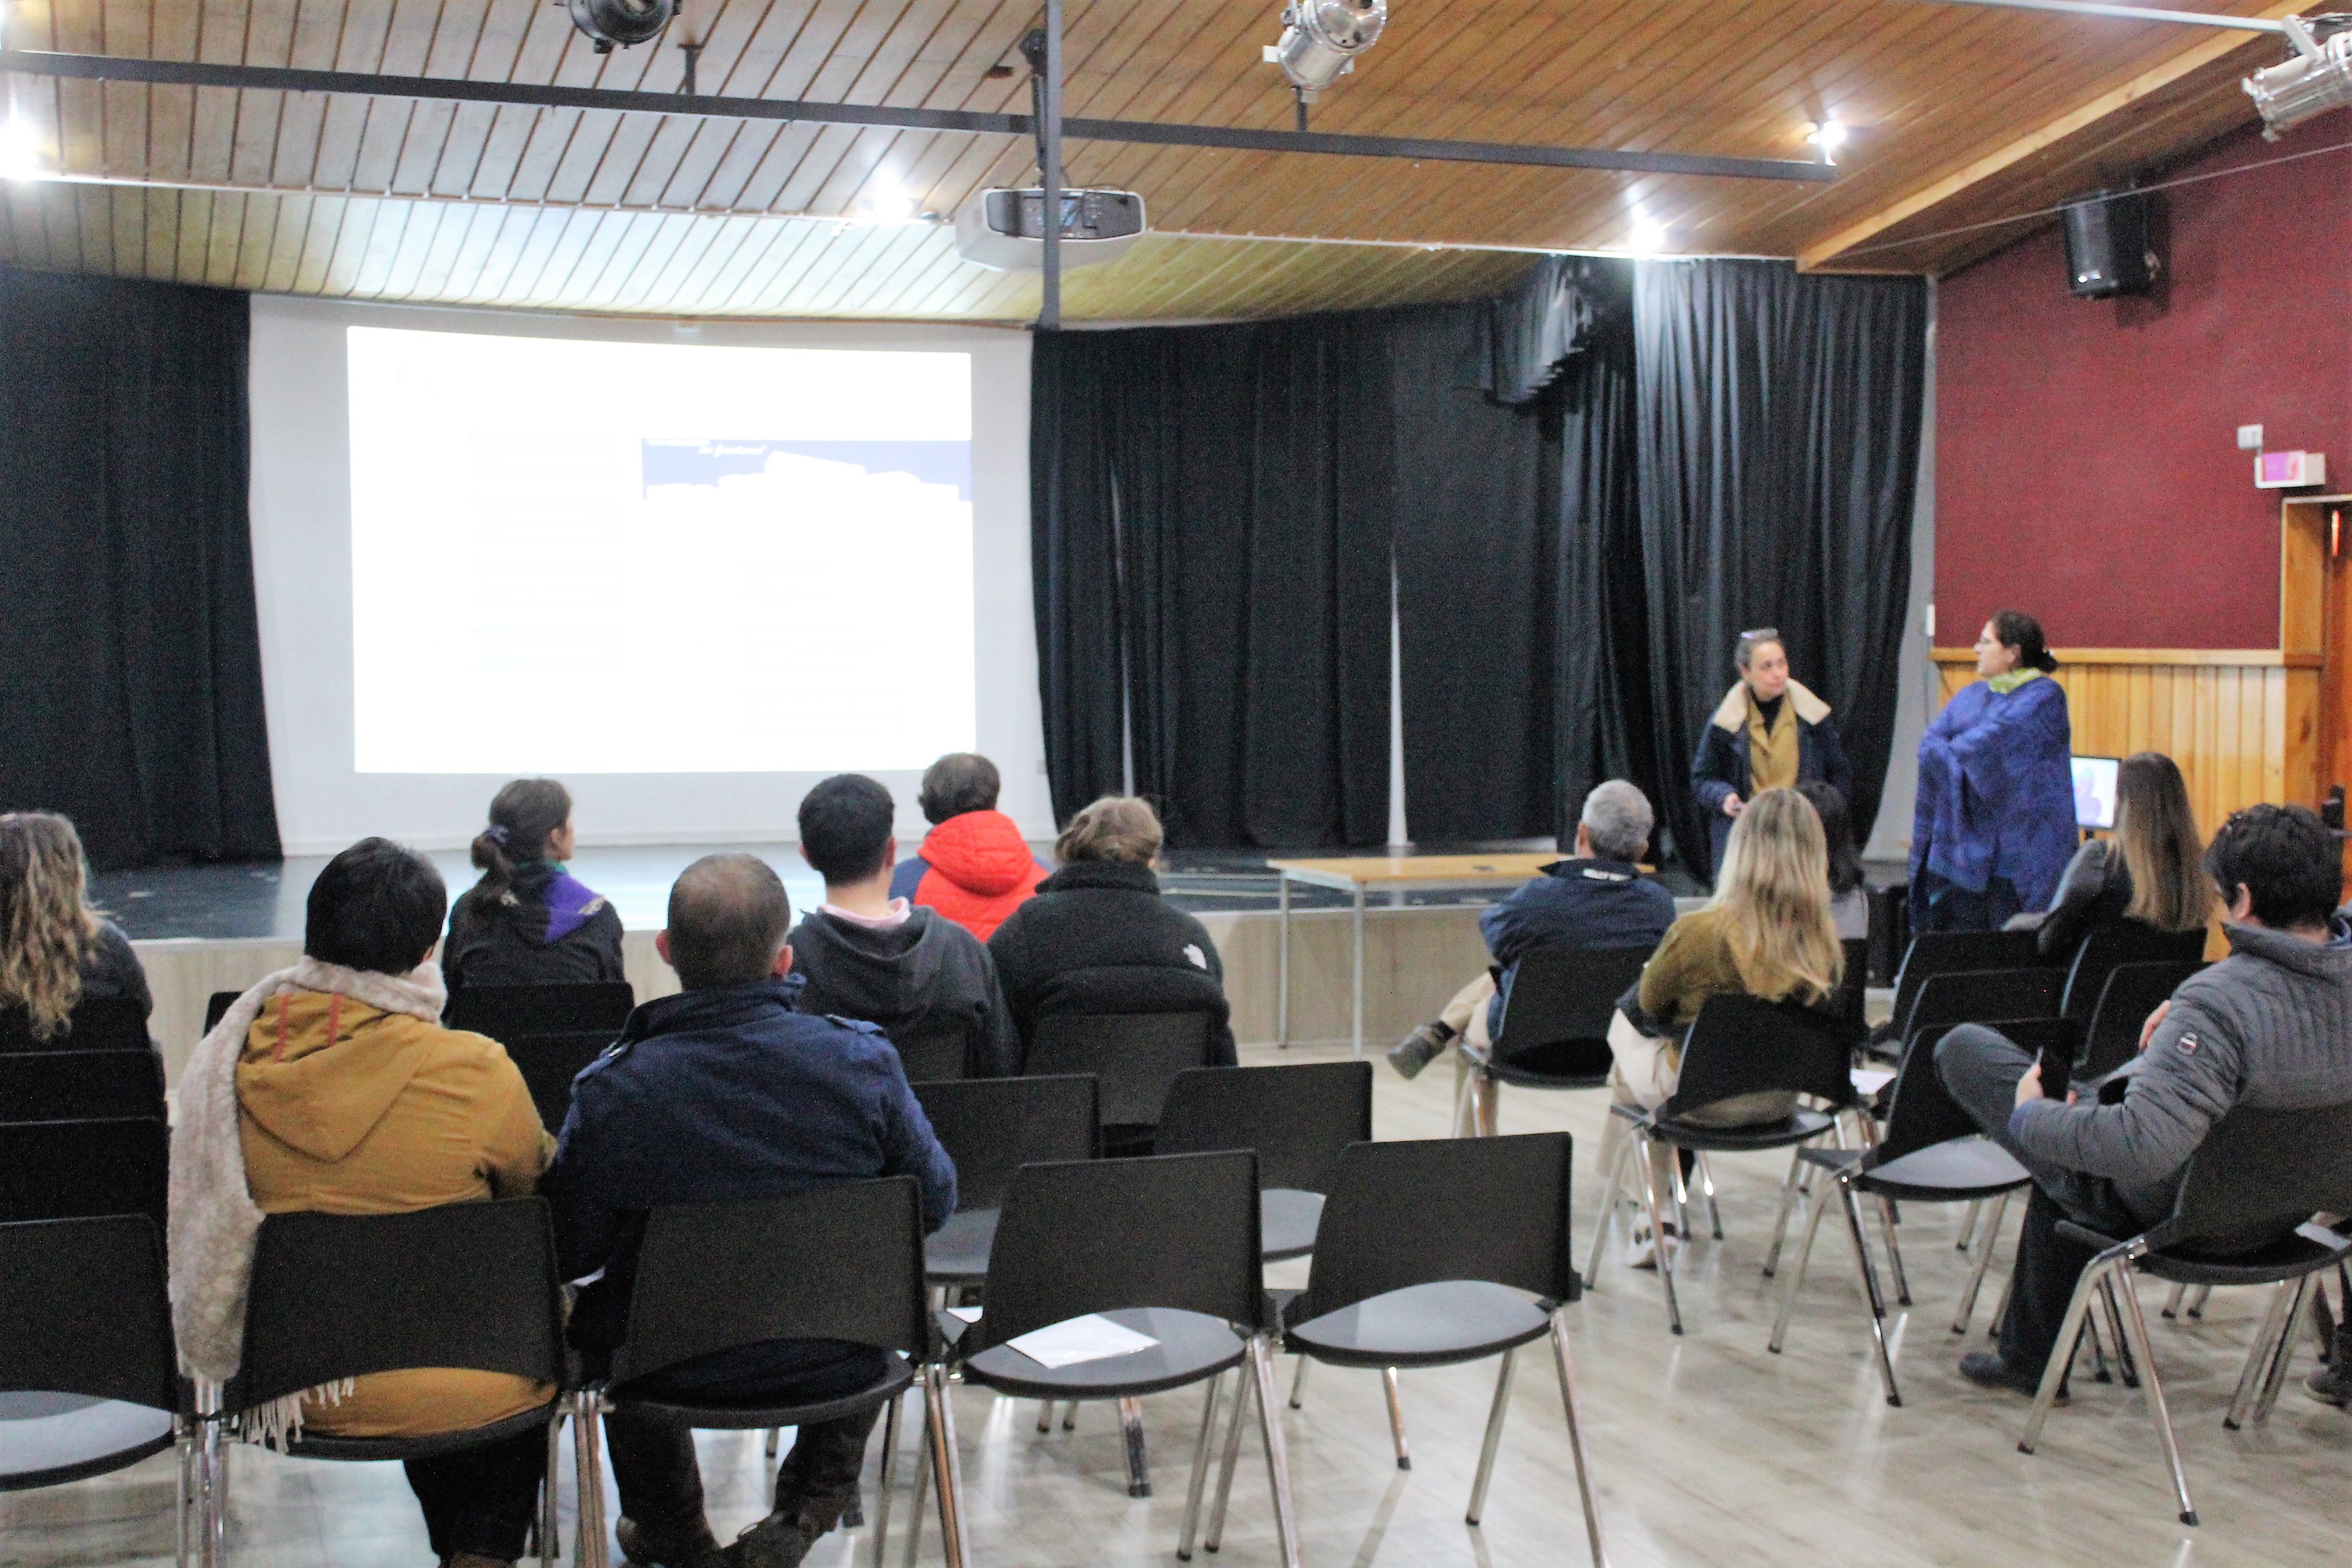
x=2094 y=791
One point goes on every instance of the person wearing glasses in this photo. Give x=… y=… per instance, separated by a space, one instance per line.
x=1768 y=732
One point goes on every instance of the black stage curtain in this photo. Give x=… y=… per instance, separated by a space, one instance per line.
x=1778 y=431
x=133 y=701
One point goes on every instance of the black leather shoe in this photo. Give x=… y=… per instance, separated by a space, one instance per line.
x=1986 y=1370
x=673 y=1546
x=776 y=1542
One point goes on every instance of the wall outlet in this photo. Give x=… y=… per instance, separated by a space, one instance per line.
x=2250 y=437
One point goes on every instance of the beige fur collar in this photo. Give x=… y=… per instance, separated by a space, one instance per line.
x=1732 y=715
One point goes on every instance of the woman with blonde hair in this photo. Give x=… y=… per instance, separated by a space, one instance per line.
x=55 y=949
x=1766 y=932
x=2152 y=872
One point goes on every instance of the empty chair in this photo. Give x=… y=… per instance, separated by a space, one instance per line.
x=82 y=1170
x=2243 y=1217
x=87 y=1375
x=1135 y=1057
x=99 y=1023
x=1978 y=996
x=1555 y=1032
x=1931 y=953
x=468 y=1285
x=1165 y=1245
x=840 y=1263
x=991 y=1127
x=2109 y=947
x=1418 y=1266
x=500 y=1011
x=1931 y=1153
x=81 y=1086
x=1298 y=1118
x=2133 y=991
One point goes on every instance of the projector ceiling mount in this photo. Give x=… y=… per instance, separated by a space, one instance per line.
x=2317 y=78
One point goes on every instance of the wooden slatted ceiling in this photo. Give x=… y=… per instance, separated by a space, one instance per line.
x=1930 y=89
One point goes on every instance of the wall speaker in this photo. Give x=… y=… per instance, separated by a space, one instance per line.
x=2107 y=250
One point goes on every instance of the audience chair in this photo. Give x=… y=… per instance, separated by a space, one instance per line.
x=88 y=1373
x=217 y=1007
x=2243 y=1217
x=1853 y=1003
x=83 y=1169
x=1931 y=953
x=1135 y=1056
x=1738 y=1046
x=842 y=1262
x=1978 y=997
x=2131 y=992
x=578 y=1006
x=991 y=1127
x=471 y=1286
x=1555 y=1033
x=1165 y=1245
x=81 y=1086
x=1298 y=1118
x=1443 y=1251
x=2109 y=947
x=97 y=1023
x=549 y=1062
x=1931 y=1153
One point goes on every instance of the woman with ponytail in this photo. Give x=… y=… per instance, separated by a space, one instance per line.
x=527 y=922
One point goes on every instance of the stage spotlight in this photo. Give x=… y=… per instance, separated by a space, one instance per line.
x=1321 y=39
x=2316 y=78
x=623 y=22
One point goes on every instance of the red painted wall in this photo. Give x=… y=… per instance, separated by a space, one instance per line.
x=2087 y=465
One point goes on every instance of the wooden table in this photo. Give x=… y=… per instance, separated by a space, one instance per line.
x=1398 y=873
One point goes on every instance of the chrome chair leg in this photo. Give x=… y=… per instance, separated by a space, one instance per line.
x=550 y=1543
x=2000 y=1308
x=1070 y=1415
x=1200 y=1466
x=1894 y=1253
x=2285 y=1355
x=922 y=1481
x=1706 y=1185
x=1984 y=1261
x=1044 y=1417
x=2197 y=1303
x=1870 y=1287
x=1608 y=1209
x=1968 y=1225
x=2171 y=1307
x=588 y=1528
x=1277 y=1457
x=1298 y=1382
x=1396 y=1417
x=1781 y=1220
x=1495 y=1415
x=1815 y=1207
x=1658 y=1228
x=882 y=1479
x=1486 y=1103
x=2126 y=1364
x=2252 y=1376
x=1215 y=1536
x=212 y=1522
x=1567 y=1370
x=2135 y=1328
x=2077 y=1319
x=1679 y=1189
x=183 y=1497
x=1130 y=1431
x=946 y=1462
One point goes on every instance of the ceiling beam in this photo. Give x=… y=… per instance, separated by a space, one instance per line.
x=1825 y=252
x=273 y=79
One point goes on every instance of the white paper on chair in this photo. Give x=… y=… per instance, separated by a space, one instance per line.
x=1083 y=1339
x=1870 y=1080
x=967 y=1314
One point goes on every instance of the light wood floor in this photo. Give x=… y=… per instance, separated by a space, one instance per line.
x=1708 y=1450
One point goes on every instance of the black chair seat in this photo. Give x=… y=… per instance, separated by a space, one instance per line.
x=1435 y=1324
x=48 y=1439
x=1192 y=1345
x=1287 y=1221
x=1957 y=1170
x=1796 y=1129
x=324 y=1446
x=1527 y=1076
x=896 y=1379
x=2309 y=1249
x=957 y=1253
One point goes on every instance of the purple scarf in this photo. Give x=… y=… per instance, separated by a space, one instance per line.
x=570 y=904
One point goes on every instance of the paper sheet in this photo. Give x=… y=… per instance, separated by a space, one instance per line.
x=1089 y=1338
x=1868 y=1081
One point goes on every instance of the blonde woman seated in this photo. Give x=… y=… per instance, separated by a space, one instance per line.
x=1766 y=932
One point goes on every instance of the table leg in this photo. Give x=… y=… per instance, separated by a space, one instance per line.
x=1359 y=969
x=1282 y=1001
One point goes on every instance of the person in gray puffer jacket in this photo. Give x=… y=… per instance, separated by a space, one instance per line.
x=2268 y=1026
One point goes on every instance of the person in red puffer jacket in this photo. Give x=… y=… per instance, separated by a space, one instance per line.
x=974 y=868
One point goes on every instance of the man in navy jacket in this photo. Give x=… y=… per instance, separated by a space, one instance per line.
x=727 y=1093
x=1596 y=900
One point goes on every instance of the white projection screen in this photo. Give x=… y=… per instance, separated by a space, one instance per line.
x=689 y=571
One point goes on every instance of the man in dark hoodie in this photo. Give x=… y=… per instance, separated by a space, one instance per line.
x=921 y=978
x=2268 y=1026
x=974 y=867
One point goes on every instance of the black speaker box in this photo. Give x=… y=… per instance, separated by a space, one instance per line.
x=2107 y=245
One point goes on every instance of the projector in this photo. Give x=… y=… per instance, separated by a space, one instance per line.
x=1006 y=230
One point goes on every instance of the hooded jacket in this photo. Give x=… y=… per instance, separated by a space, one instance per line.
x=928 y=983
x=1720 y=769
x=344 y=1108
x=975 y=868
x=548 y=930
x=1098 y=939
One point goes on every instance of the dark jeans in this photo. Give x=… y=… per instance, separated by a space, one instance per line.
x=481 y=1500
x=1937 y=905
x=653 y=1457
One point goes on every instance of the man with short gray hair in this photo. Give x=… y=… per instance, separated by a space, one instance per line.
x=1596 y=899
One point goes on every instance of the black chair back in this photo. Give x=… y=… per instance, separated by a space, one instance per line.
x=85 y=1312
x=1853 y=1003
x=1135 y=1056
x=217 y=1007
x=471 y=1286
x=1166 y=1230
x=549 y=1062
x=1298 y=1117
x=2109 y=947
x=1949 y=951
x=2257 y=1176
x=96 y=1024
x=991 y=1127
x=81 y=1086
x=81 y=1170
x=1415 y=1212
x=1985 y=997
x=1742 y=1044
x=1923 y=1113
x=1557 y=1023
x=2132 y=992
x=576 y=1007
x=840 y=1262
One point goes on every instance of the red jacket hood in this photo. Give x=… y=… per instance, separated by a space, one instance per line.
x=982 y=852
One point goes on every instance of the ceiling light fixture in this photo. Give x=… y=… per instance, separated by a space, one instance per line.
x=1829 y=135
x=623 y=22
x=1321 y=39
x=2317 y=78
x=22 y=156
x=1648 y=238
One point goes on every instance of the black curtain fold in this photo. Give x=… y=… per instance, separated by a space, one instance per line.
x=134 y=698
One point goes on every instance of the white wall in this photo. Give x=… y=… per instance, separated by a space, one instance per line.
x=302 y=568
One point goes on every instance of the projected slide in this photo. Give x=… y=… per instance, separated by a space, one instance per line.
x=595 y=557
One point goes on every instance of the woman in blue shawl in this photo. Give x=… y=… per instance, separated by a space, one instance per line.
x=1994 y=825
x=528 y=921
